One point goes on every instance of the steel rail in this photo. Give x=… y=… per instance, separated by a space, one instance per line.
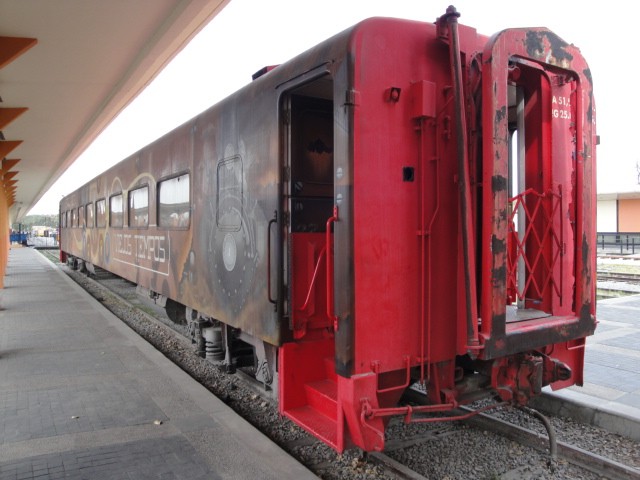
x=595 y=463
x=604 y=275
x=398 y=469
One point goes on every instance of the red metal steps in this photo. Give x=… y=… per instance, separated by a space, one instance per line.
x=316 y=423
x=322 y=396
x=308 y=390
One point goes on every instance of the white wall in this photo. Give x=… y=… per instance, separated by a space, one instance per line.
x=607 y=216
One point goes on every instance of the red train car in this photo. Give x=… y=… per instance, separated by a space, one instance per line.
x=406 y=202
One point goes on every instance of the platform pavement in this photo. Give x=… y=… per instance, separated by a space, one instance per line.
x=83 y=396
x=610 y=396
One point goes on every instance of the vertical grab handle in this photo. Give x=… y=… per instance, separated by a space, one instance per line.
x=272 y=222
x=330 y=313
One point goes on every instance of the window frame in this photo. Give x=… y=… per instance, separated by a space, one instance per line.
x=159 y=209
x=130 y=211
x=105 y=215
x=111 y=215
x=89 y=207
x=81 y=219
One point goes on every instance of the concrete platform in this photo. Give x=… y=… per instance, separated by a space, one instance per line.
x=83 y=396
x=610 y=397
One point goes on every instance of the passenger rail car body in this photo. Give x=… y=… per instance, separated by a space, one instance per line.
x=405 y=202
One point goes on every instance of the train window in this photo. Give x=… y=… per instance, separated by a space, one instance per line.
x=101 y=213
x=311 y=162
x=116 y=211
x=139 y=207
x=312 y=147
x=89 y=215
x=173 y=202
x=74 y=218
x=68 y=217
x=229 y=194
x=81 y=223
x=63 y=220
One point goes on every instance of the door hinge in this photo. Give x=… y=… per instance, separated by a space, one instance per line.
x=352 y=97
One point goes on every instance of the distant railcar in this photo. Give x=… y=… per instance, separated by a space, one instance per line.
x=403 y=203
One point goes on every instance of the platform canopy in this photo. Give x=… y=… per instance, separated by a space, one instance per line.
x=67 y=68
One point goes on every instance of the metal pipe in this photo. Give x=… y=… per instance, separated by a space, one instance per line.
x=553 y=445
x=423 y=267
x=451 y=18
x=425 y=249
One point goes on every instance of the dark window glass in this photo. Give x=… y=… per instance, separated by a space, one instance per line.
x=139 y=207
x=81 y=223
x=116 y=211
x=89 y=214
x=173 y=202
x=74 y=218
x=101 y=213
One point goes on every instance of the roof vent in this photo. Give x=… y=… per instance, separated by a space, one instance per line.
x=262 y=71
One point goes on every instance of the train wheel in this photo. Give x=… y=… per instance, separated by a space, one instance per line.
x=176 y=312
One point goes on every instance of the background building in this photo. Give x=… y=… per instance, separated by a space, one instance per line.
x=619 y=212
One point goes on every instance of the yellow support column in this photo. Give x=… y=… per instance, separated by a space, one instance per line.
x=10 y=49
x=7 y=196
x=4 y=238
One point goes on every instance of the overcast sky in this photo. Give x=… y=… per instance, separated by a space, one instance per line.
x=249 y=34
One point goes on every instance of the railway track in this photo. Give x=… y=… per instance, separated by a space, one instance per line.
x=560 y=451
x=383 y=465
x=556 y=450
x=608 y=276
x=598 y=464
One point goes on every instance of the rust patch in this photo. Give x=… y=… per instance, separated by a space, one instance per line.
x=498 y=277
x=501 y=114
x=548 y=47
x=498 y=245
x=498 y=346
x=585 y=250
x=585 y=312
x=498 y=183
x=590 y=108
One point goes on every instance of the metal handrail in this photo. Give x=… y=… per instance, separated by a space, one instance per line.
x=273 y=221
x=329 y=245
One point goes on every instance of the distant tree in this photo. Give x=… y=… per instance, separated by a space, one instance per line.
x=40 y=220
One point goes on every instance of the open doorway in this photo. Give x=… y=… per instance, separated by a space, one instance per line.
x=308 y=204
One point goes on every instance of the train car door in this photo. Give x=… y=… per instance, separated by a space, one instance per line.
x=308 y=383
x=307 y=206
